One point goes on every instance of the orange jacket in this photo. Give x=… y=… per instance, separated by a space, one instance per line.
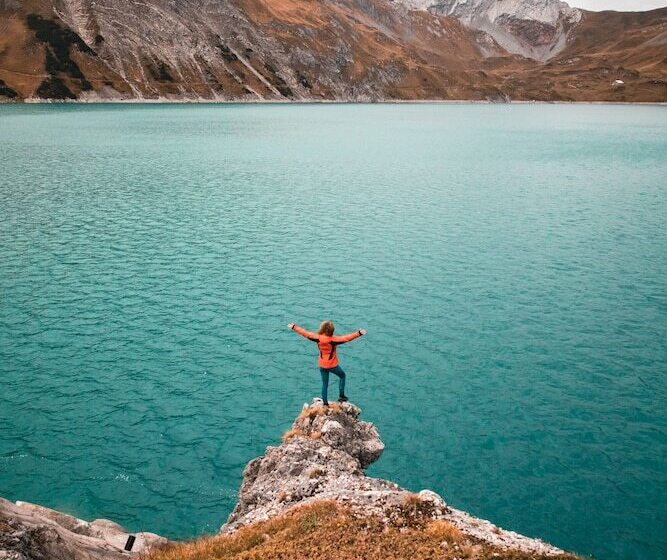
x=327 y=345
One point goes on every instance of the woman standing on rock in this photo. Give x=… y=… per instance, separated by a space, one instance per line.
x=326 y=343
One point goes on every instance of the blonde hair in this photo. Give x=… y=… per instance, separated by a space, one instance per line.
x=326 y=328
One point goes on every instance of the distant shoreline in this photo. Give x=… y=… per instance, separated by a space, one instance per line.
x=163 y=101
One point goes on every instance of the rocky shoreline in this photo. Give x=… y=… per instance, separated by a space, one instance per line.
x=204 y=101
x=32 y=532
x=320 y=460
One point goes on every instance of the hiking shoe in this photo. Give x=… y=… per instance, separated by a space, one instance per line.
x=343 y=398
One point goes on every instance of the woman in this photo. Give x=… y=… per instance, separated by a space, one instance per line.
x=327 y=343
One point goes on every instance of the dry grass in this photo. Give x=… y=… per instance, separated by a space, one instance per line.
x=413 y=512
x=412 y=502
x=311 y=412
x=308 y=414
x=320 y=410
x=445 y=531
x=327 y=531
x=294 y=432
x=298 y=432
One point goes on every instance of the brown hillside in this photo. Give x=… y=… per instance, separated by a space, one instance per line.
x=325 y=530
x=608 y=46
x=309 y=50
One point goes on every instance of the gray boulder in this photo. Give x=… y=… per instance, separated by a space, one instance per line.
x=32 y=532
x=322 y=457
x=340 y=428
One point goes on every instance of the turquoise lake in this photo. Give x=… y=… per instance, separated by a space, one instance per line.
x=508 y=261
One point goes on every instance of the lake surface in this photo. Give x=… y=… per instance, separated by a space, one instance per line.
x=508 y=262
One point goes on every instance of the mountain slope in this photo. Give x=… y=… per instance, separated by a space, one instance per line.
x=235 y=49
x=323 y=50
x=535 y=29
x=606 y=46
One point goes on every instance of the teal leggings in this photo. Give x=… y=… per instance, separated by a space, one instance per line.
x=325 y=381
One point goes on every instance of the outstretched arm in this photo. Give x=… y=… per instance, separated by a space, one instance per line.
x=303 y=332
x=348 y=337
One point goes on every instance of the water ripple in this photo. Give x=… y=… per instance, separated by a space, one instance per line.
x=509 y=264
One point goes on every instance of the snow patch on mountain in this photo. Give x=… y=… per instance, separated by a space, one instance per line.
x=543 y=11
x=532 y=28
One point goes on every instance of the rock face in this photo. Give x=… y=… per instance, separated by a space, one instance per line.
x=323 y=457
x=230 y=49
x=535 y=29
x=342 y=50
x=31 y=532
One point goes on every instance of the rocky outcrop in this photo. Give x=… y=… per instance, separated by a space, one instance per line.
x=31 y=532
x=323 y=457
x=321 y=460
x=535 y=29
